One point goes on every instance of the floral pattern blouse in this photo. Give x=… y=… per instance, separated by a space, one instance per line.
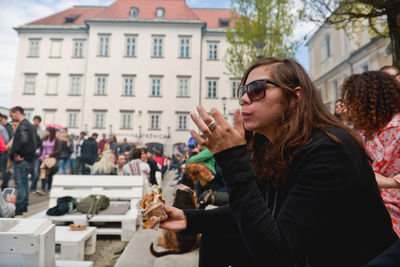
x=384 y=147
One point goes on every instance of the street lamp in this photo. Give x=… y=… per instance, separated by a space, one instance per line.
x=110 y=129
x=224 y=105
x=140 y=131
x=259 y=45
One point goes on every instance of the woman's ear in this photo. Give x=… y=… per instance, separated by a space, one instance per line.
x=298 y=92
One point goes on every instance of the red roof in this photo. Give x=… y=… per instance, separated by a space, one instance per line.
x=80 y=13
x=213 y=17
x=120 y=9
x=174 y=9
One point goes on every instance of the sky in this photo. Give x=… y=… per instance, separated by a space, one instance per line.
x=15 y=13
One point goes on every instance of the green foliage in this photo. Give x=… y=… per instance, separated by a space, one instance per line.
x=265 y=21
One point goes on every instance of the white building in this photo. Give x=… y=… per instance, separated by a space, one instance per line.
x=136 y=68
x=335 y=55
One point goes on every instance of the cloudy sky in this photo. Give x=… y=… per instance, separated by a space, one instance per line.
x=18 y=12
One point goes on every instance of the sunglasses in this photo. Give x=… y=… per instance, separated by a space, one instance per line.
x=255 y=90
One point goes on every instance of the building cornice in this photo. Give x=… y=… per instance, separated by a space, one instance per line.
x=215 y=30
x=34 y=28
x=134 y=20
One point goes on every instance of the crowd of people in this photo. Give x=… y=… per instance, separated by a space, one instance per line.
x=30 y=150
x=296 y=185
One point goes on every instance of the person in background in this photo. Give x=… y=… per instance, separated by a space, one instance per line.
x=341 y=112
x=106 y=165
x=49 y=152
x=22 y=153
x=121 y=161
x=128 y=156
x=64 y=157
x=41 y=134
x=79 y=163
x=8 y=126
x=74 y=151
x=392 y=71
x=373 y=101
x=113 y=145
x=4 y=133
x=5 y=175
x=89 y=153
x=153 y=167
x=137 y=166
x=7 y=206
x=102 y=143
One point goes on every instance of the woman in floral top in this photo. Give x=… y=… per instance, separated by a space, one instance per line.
x=373 y=102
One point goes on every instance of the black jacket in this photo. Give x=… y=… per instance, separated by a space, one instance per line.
x=89 y=151
x=329 y=213
x=25 y=141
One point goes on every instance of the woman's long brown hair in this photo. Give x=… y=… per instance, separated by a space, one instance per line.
x=272 y=160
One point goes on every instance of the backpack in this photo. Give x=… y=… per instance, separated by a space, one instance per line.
x=92 y=204
x=64 y=205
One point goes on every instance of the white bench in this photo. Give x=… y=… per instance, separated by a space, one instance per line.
x=73 y=245
x=27 y=242
x=122 y=190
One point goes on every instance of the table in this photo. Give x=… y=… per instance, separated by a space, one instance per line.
x=75 y=244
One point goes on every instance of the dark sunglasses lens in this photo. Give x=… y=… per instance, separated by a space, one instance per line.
x=256 y=90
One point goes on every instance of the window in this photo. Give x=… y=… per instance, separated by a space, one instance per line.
x=213 y=51
x=104 y=45
x=224 y=22
x=128 y=85
x=49 y=116
x=99 y=119
x=52 y=83
x=212 y=88
x=55 y=50
x=34 y=45
x=101 y=85
x=235 y=85
x=78 y=48
x=182 y=121
x=28 y=113
x=126 y=119
x=184 y=47
x=155 y=86
x=75 y=84
x=134 y=12
x=160 y=12
x=158 y=46
x=364 y=68
x=326 y=47
x=154 y=121
x=30 y=80
x=130 y=46
x=72 y=118
x=183 y=86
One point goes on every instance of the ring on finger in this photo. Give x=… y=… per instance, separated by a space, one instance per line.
x=212 y=125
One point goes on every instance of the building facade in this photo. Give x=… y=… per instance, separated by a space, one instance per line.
x=334 y=55
x=136 y=68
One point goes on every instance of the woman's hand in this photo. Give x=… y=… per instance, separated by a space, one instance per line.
x=176 y=220
x=223 y=136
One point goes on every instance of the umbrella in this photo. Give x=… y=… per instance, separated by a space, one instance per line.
x=54 y=125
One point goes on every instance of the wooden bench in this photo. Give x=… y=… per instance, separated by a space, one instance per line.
x=122 y=190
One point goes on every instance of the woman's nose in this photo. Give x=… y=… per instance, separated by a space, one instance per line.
x=245 y=100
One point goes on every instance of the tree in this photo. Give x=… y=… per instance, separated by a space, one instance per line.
x=266 y=23
x=382 y=17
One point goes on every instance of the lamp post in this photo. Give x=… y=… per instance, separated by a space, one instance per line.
x=224 y=105
x=110 y=129
x=259 y=45
x=140 y=131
